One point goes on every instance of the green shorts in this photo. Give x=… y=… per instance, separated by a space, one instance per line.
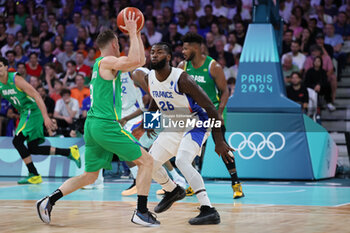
x=31 y=124
x=103 y=138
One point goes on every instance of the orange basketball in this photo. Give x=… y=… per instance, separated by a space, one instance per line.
x=120 y=18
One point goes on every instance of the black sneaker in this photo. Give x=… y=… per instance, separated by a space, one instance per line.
x=147 y=219
x=208 y=215
x=169 y=198
x=44 y=209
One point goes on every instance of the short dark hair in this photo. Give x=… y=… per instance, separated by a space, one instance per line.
x=296 y=42
x=65 y=91
x=191 y=37
x=166 y=46
x=21 y=63
x=33 y=53
x=10 y=51
x=4 y=61
x=73 y=63
x=297 y=73
x=104 y=38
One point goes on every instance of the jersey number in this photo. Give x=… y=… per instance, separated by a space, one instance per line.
x=124 y=90
x=165 y=106
x=15 y=100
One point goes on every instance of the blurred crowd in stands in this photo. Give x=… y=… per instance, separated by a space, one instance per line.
x=51 y=43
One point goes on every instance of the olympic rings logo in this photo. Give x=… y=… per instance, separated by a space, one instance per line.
x=257 y=149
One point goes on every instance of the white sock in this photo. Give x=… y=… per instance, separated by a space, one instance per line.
x=133 y=171
x=203 y=198
x=174 y=174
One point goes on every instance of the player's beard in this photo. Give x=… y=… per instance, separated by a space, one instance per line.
x=191 y=56
x=158 y=66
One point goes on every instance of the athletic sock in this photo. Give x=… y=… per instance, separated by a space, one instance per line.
x=234 y=178
x=64 y=152
x=55 y=196
x=203 y=198
x=32 y=169
x=174 y=174
x=142 y=203
x=133 y=171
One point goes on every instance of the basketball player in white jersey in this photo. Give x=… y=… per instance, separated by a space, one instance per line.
x=174 y=91
x=132 y=108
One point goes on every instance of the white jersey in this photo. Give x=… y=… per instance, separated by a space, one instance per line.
x=170 y=101
x=131 y=95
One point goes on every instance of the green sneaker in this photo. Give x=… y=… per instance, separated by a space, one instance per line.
x=74 y=155
x=31 y=179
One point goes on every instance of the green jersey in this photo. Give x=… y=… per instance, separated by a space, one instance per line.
x=18 y=98
x=204 y=79
x=106 y=95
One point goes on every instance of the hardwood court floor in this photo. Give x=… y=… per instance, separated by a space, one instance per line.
x=269 y=207
x=97 y=216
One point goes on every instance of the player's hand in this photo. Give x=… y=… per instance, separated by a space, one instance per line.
x=224 y=150
x=138 y=132
x=122 y=121
x=49 y=124
x=151 y=133
x=130 y=22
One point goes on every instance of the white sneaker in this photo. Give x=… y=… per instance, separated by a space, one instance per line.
x=181 y=181
x=147 y=219
x=331 y=107
x=44 y=208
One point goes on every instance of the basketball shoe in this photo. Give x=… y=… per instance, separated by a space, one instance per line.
x=189 y=191
x=169 y=198
x=208 y=215
x=237 y=191
x=44 y=209
x=31 y=179
x=147 y=219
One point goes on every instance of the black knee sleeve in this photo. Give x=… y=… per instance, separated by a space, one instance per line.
x=18 y=143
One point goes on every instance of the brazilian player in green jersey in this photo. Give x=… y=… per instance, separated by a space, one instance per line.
x=210 y=76
x=33 y=115
x=103 y=134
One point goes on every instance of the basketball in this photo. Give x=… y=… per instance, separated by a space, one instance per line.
x=138 y=13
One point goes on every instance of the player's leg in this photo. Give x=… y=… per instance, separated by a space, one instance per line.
x=187 y=151
x=231 y=168
x=72 y=153
x=45 y=205
x=34 y=177
x=132 y=189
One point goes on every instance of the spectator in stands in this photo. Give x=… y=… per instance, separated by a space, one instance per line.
x=151 y=33
x=330 y=8
x=180 y=5
x=66 y=111
x=90 y=59
x=221 y=53
x=326 y=48
x=295 y=27
x=182 y=26
x=73 y=27
x=288 y=68
x=68 y=77
x=157 y=8
x=21 y=70
x=240 y=32
x=172 y=37
x=29 y=29
x=52 y=22
x=12 y=27
x=316 y=79
x=228 y=71
x=297 y=91
x=231 y=84
x=327 y=65
x=306 y=41
x=217 y=33
x=232 y=46
x=34 y=44
x=20 y=57
x=21 y=14
x=193 y=28
x=198 y=8
x=345 y=7
x=9 y=46
x=321 y=17
x=32 y=66
x=145 y=41
x=341 y=26
x=191 y=16
x=21 y=39
x=206 y=20
x=105 y=16
x=58 y=45
x=333 y=39
x=81 y=67
x=83 y=36
x=67 y=55
x=49 y=76
x=80 y=92
x=287 y=41
x=297 y=56
x=168 y=15
x=10 y=55
x=298 y=12
x=61 y=31
x=55 y=92
x=49 y=103
x=46 y=55
x=3 y=35
x=161 y=27
x=209 y=42
x=45 y=34
x=34 y=82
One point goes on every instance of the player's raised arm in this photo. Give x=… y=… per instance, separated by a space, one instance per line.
x=188 y=86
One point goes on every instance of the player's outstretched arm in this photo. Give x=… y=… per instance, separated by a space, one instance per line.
x=30 y=91
x=218 y=74
x=188 y=86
